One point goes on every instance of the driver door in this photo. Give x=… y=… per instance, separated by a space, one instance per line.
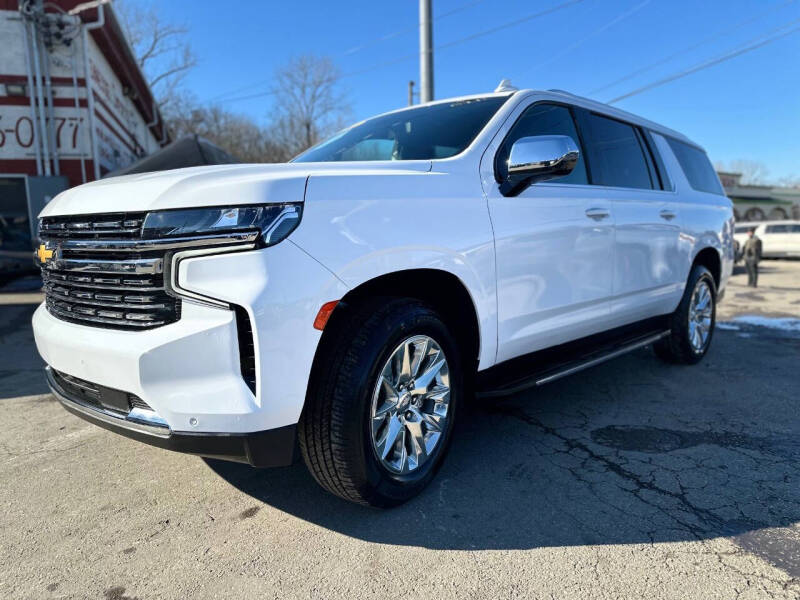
x=554 y=244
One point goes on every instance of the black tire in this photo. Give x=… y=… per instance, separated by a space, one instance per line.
x=334 y=434
x=677 y=348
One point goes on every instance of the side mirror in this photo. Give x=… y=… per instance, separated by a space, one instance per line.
x=539 y=158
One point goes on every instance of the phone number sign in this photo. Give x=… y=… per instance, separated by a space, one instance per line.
x=17 y=133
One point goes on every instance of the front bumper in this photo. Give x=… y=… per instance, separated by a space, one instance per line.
x=270 y=448
x=189 y=372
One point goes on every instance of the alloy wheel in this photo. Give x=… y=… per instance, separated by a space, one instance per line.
x=410 y=405
x=700 y=313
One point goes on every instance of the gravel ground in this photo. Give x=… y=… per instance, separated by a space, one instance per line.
x=634 y=479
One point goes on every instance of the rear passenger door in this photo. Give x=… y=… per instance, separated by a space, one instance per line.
x=648 y=274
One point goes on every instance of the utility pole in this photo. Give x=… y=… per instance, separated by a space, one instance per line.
x=425 y=52
x=410 y=93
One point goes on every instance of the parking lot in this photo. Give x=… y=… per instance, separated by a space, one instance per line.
x=634 y=479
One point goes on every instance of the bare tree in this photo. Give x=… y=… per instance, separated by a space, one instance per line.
x=237 y=134
x=308 y=102
x=160 y=48
x=753 y=172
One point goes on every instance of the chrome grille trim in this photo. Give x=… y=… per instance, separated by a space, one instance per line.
x=141 y=265
x=116 y=224
x=84 y=316
x=103 y=273
x=115 y=245
x=121 y=286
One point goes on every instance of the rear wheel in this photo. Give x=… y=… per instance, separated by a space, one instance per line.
x=692 y=324
x=381 y=405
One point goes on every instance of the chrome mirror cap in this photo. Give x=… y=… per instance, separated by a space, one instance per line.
x=541 y=157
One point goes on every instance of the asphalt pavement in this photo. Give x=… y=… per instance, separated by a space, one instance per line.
x=634 y=479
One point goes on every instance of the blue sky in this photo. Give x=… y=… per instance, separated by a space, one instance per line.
x=745 y=108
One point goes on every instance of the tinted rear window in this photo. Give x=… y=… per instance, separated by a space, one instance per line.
x=697 y=167
x=616 y=155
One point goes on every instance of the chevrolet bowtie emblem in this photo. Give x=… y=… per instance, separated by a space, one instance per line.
x=44 y=254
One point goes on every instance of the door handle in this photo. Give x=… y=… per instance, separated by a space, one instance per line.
x=598 y=214
x=667 y=215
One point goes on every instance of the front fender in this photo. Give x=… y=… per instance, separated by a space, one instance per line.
x=371 y=225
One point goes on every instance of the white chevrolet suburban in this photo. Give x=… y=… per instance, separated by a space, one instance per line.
x=349 y=301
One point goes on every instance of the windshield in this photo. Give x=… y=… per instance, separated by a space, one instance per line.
x=422 y=133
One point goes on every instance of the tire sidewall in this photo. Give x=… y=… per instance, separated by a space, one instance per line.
x=372 y=477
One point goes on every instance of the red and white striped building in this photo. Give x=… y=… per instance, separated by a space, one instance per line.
x=74 y=105
x=97 y=110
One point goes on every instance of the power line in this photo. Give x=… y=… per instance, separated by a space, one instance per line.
x=584 y=39
x=702 y=42
x=710 y=63
x=468 y=38
x=415 y=55
x=524 y=19
x=353 y=50
x=394 y=34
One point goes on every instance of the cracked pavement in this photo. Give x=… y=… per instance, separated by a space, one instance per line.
x=634 y=479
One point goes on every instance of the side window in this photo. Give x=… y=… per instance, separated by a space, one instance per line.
x=697 y=167
x=777 y=229
x=543 y=119
x=616 y=154
x=795 y=229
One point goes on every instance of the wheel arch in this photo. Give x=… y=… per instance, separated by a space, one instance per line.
x=709 y=257
x=440 y=289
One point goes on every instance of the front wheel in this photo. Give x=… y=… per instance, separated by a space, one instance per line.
x=382 y=403
x=692 y=323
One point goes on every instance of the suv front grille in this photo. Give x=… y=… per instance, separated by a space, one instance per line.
x=102 y=273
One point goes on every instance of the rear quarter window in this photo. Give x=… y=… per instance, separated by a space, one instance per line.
x=696 y=166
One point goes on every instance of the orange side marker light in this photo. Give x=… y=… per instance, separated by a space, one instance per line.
x=324 y=314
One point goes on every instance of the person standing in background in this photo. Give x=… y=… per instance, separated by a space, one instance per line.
x=752 y=255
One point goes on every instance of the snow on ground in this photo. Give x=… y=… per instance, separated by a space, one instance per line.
x=782 y=323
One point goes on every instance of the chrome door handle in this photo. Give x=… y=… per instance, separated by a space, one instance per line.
x=598 y=214
x=667 y=215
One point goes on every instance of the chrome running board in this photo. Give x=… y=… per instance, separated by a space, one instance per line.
x=553 y=364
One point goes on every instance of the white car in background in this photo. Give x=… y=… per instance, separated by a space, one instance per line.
x=350 y=300
x=779 y=239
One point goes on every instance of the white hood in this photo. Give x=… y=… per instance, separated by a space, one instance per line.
x=207 y=186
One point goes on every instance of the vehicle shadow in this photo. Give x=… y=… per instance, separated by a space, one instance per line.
x=630 y=451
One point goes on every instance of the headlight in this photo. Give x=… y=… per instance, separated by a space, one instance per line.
x=273 y=221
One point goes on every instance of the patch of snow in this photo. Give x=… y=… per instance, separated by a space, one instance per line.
x=782 y=323
x=727 y=326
